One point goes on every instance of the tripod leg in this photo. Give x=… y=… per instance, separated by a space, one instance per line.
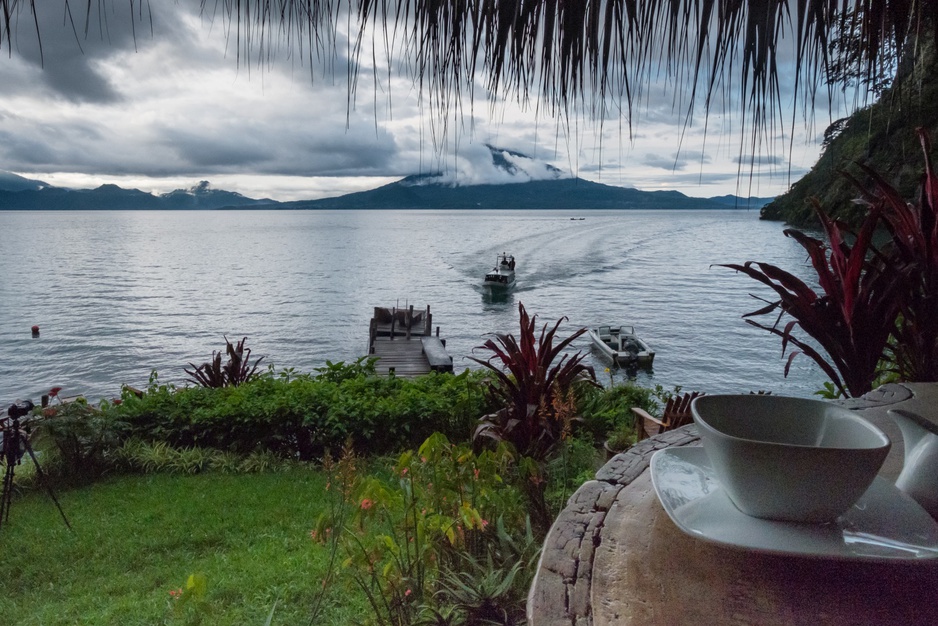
x=7 y=496
x=42 y=479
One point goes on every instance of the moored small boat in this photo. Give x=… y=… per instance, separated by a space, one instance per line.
x=620 y=343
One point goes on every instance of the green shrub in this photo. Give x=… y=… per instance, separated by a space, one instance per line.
x=608 y=410
x=444 y=533
x=575 y=462
x=302 y=416
x=159 y=457
x=77 y=439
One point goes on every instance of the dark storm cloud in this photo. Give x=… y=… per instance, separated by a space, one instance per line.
x=760 y=159
x=284 y=151
x=210 y=150
x=68 y=53
x=70 y=48
x=40 y=147
x=345 y=158
x=677 y=161
x=134 y=108
x=22 y=152
x=74 y=79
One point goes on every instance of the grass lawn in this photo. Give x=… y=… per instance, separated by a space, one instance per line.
x=138 y=537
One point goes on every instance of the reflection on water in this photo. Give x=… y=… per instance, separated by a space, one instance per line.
x=117 y=294
x=490 y=296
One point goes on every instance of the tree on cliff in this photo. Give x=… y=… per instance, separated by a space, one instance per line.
x=882 y=136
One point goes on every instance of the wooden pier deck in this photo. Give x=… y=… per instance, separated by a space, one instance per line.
x=404 y=357
x=404 y=345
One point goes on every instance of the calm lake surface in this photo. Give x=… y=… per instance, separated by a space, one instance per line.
x=117 y=294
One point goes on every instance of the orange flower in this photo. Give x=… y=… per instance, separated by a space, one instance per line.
x=367 y=504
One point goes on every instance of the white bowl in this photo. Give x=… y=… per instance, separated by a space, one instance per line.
x=790 y=459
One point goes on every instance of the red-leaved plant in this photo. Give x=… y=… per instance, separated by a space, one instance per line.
x=870 y=295
x=914 y=230
x=854 y=315
x=532 y=393
x=237 y=371
x=527 y=383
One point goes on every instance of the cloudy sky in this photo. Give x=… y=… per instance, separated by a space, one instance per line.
x=165 y=109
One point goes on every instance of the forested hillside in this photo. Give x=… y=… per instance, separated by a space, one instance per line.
x=881 y=136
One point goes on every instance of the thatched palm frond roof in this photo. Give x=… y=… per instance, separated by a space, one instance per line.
x=574 y=51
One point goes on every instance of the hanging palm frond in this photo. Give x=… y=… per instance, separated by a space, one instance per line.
x=567 y=53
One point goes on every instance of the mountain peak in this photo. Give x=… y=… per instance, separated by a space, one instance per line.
x=14 y=182
x=519 y=164
x=489 y=165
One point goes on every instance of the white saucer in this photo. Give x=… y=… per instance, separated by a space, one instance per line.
x=884 y=525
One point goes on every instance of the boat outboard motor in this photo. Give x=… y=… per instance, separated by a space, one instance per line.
x=631 y=347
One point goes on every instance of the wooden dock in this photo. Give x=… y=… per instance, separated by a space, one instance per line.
x=404 y=344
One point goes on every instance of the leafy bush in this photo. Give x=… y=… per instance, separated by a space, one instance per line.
x=575 y=462
x=77 y=439
x=415 y=539
x=341 y=371
x=487 y=591
x=605 y=410
x=159 y=457
x=302 y=416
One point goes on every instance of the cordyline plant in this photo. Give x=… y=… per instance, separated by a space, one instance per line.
x=527 y=384
x=236 y=371
x=879 y=305
x=914 y=231
x=854 y=316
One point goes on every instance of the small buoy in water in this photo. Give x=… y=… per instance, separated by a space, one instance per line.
x=35 y=331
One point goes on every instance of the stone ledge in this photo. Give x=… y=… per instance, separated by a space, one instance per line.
x=561 y=591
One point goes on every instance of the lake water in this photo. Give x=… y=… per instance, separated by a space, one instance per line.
x=117 y=294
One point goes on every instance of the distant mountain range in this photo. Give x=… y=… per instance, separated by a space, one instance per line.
x=18 y=193
x=420 y=192
x=545 y=189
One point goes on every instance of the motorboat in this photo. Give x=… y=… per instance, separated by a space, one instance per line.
x=620 y=343
x=502 y=277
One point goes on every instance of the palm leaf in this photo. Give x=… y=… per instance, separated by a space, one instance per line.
x=598 y=53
